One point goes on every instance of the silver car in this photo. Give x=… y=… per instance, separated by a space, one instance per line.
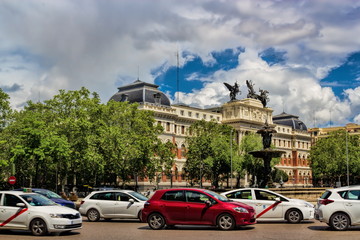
x=112 y=204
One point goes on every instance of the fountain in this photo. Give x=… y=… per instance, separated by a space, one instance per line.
x=267 y=153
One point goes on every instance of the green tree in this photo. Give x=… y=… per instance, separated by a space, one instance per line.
x=209 y=151
x=253 y=166
x=5 y=116
x=328 y=157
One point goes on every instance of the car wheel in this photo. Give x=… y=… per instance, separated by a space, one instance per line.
x=93 y=215
x=38 y=227
x=156 y=221
x=140 y=215
x=339 y=221
x=293 y=216
x=226 y=222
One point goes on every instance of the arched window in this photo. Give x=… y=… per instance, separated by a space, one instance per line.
x=183 y=151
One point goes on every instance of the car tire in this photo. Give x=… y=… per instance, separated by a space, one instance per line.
x=293 y=216
x=225 y=222
x=339 y=221
x=140 y=215
x=156 y=221
x=93 y=215
x=38 y=227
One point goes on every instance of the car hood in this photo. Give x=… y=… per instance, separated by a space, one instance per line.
x=299 y=202
x=53 y=209
x=239 y=204
x=60 y=200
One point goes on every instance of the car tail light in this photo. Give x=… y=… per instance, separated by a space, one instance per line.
x=325 y=201
x=82 y=202
x=146 y=204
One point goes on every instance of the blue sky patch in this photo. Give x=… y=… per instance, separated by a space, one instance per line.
x=194 y=72
x=345 y=76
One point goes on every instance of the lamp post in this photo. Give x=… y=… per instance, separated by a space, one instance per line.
x=347 y=159
x=231 y=159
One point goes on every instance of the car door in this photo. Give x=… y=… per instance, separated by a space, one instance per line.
x=197 y=211
x=352 y=205
x=12 y=216
x=105 y=202
x=263 y=201
x=174 y=206
x=124 y=208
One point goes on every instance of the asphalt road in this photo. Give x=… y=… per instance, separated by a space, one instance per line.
x=129 y=230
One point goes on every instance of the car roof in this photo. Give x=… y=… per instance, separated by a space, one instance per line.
x=115 y=190
x=343 y=188
x=16 y=192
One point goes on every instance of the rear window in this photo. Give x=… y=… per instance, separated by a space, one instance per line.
x=110 y=196
x=325 y=195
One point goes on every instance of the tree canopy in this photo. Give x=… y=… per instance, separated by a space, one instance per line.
x=331 y=155
x=73 y=139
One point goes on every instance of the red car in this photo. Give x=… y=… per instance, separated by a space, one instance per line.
x=195 y=207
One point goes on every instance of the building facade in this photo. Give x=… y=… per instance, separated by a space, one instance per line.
x=245 y=115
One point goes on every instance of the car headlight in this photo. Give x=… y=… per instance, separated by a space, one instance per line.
x=241 y=210
x=55 y=215
x=309 y=205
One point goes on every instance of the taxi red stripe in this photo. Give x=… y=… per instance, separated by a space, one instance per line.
x=12 y=217
x=267 y=209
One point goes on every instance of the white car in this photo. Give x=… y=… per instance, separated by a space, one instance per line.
x=112 y=204
x=34 y=212
x=339 y=207
x=271 y=206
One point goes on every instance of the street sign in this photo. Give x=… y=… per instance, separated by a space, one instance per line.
x=12 y=180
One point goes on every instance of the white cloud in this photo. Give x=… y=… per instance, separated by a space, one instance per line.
x=99 y=44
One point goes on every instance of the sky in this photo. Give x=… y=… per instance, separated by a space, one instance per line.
x=305 y=53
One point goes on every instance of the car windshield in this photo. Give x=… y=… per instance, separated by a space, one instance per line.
x=47 y=193
x=218 y=196
x=37 y=200
x=138 y=196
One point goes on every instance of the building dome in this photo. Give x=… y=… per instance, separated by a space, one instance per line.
x=289 y=120
x=142 y=93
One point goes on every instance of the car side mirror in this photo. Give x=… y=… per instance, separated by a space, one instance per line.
x=277 y=199
x=22 y=205
x=131 y=200
x=208 y=203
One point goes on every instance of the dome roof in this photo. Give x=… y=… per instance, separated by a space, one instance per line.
x=141 y=92
x=289 y=120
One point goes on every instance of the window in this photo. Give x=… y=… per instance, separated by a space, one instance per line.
x=11 y=200
x=122 y=197
x=107 y=196
x=168 y=126
x=204 y=116
x=190 y=114
x=246 y=194
x=173 y=196
x=196 y=197
x=183 y=150
x=182 y=129
x=353 y=195
x=175 y=128
x=182 y=112
x=263 y=195
x=197 y=115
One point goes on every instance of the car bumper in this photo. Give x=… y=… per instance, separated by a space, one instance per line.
x=245 y=219
x=62 y=224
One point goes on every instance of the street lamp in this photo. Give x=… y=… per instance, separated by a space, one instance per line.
x=231 y=171
x=347 y=159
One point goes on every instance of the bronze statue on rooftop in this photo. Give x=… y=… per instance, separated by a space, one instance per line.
x=234 y=90
x=263 y=97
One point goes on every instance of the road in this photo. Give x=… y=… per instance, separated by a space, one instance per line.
x=134 y=230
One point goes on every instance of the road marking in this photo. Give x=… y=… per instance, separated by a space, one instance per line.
x=13 y=216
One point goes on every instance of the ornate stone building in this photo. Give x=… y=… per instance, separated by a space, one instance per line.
x=245 y=115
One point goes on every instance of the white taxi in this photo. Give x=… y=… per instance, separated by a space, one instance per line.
x=34 y=212
x=271 y=206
